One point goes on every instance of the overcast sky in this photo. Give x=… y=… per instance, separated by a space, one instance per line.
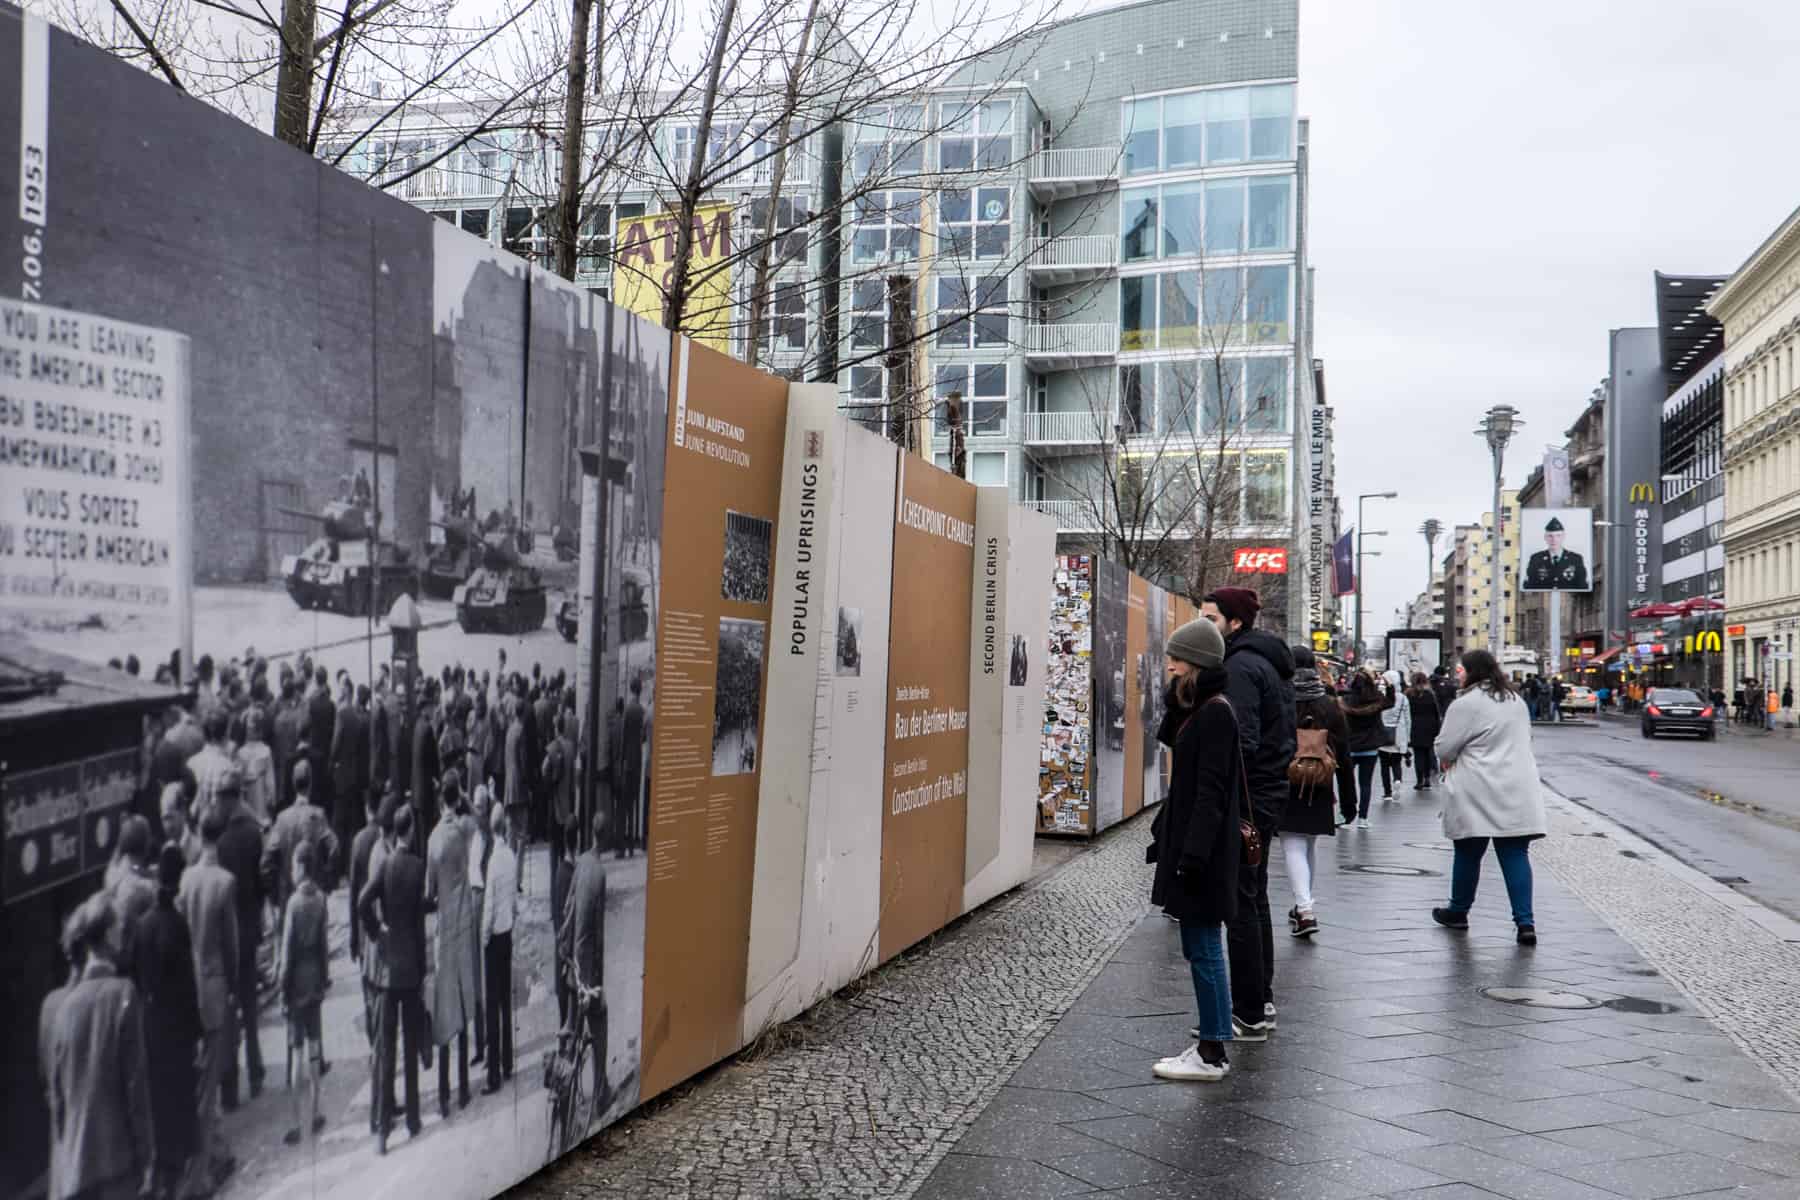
x=1492 y=187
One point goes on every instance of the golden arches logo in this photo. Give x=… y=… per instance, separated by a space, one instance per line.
x=1643 y=493
x=1708 y=640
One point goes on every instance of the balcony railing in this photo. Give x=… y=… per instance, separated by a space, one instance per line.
x=1097 y=340
x=1078 y=163
x=1079 y=427
x=1083 y=252
x=1071 y=516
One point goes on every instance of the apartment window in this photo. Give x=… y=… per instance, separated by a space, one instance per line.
x=867 y=405
x=1269 y=220
x=1266 y=293
x=518 y=229
x=783 y=326
x=1181 y=222
x=1178 y=325
x=1265 y=395
x=1137 y=312
x=1137 y=224
x=868 y=314
x=889 y=141
x=792 y=214
x=983 y=389
x=975 y=135
x=1227 y=111
x=975 y=222
x=475 y=221
x=971 y=311
x=987 y=468
x=887 y=228
x=1224 y=304
x=1225 y=216
x=1177 y=386
x=595 y=248
x=1271 y=122
x=1183 y=119
x=1221 y=394
x=1143 y=136
x=447 y=216
x=682 y=141
x=1133 y=387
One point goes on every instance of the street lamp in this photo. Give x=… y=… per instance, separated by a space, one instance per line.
x=1431 y=529
x=1359 y=561
x=1497 y=426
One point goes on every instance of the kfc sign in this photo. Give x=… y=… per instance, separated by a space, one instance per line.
x=1267 y=560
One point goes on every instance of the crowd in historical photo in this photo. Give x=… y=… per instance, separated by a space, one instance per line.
x=291 y=803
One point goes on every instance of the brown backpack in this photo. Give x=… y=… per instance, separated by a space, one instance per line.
x=1314 y=764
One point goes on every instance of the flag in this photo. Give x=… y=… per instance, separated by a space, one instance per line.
x=1343 y=565
x=1556 y=477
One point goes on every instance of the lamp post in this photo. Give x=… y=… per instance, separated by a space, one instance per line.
x=1497 y=426
x=1360 y=534
x=1431 y=529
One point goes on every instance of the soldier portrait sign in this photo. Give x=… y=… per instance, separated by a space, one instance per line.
x=1557 y=550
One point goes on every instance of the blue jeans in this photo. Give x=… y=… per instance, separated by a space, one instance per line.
x=1515 y=868
x=1204 y=948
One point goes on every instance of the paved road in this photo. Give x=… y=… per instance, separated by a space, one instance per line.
x=1728 y=808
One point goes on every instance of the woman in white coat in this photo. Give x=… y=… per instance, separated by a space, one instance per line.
x=1492 y=790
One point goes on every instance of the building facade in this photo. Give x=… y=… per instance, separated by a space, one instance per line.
x=1095 y=239
x=1759 y=307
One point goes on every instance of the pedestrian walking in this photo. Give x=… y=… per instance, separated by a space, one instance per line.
x=1426 y=721
x=424 y=769
x=1321 y=772
x=305 y=975
x=1260 y=688
x=130 y=883
x=447 y=894
x=256 y=761
x=518 y=779
x=241 y=852
x=588 y=944
x=321 y=728
x=1787 y=697
x=1492 y=792
x=300 y=822
x=499 y=909
x=288 y=731
x=1559 y=691
x=1396 y=729
x=1532 y=692
x=1363 y=706
x=207 y=901
x=102 y=1145
x=1444 y=688
x=163 y=970
x=1196 y=842
x=633 y=723
x=212 y=762
x=393 y=913
x=351 y=754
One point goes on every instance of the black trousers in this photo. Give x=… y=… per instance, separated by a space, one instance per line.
x=1250 y=938
x=1393 y=771
x=496 y=965
x=596 y=1021
x=247 y=1008
x=1424 y=761
x=1365 y=783
x=462 y=1066
x=402 y=1018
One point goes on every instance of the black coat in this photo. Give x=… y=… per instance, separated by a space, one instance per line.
x=163 y=969
x=1363 y=707
x=1314 y=811
x=1260 y=685
x=393 y=908
x=1195 y=843
x=1426 y=718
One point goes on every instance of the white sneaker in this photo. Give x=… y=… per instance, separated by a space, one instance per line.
x=1189 y=1067
x=1269 y=1014
x=1193 y=1047
x=1362 y=822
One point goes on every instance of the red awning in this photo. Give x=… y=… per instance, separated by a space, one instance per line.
x=1603 y=658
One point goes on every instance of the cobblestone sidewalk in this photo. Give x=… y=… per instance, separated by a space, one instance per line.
x=862 y=1096
x=1392 y=1073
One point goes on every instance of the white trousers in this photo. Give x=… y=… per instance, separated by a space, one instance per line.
x=1298 y=850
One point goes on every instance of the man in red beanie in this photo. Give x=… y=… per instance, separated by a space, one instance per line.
x=1259 y=672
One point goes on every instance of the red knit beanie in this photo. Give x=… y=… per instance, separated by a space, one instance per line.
x=1238 y=604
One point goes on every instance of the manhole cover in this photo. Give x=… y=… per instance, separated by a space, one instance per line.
x=1637 y=1004
x=1429 y=845
x=1386 y=869
x=1540 y=997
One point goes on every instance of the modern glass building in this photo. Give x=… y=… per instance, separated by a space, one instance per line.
x=1095 y=238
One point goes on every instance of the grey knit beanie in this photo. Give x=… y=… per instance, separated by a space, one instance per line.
x=1198 y=642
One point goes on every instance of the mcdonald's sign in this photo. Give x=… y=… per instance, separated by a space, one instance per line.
x=1708 y=639
x=1643 y=493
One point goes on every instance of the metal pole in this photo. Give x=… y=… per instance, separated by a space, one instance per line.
x=1357 y=645
x=1494 y=544
x=374 y=449
x=1556 y=649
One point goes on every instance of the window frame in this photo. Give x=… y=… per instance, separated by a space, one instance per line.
x=886 y=205
x=974 y=404
x=970 y=317
x=974 y=225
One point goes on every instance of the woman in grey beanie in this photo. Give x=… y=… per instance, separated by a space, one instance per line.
x=1195 y=842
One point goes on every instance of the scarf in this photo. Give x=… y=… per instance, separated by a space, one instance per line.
x=1210 y=682
x=1308 y=685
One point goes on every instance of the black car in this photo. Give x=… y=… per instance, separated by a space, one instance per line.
x=1678 y=710
x=568 y=618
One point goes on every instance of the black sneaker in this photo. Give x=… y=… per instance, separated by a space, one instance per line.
x=1305 y=926
x=1450 y=920
x=1528 y=935
x=1250 y=1031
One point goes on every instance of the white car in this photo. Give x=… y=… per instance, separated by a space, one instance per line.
x=1580 y=699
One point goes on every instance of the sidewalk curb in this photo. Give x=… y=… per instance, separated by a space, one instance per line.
x=1782 y=927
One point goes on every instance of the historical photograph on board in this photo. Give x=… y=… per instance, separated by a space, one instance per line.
x=744 y=575
x=849 y=642
x=1019 y=666
x=737 y=699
